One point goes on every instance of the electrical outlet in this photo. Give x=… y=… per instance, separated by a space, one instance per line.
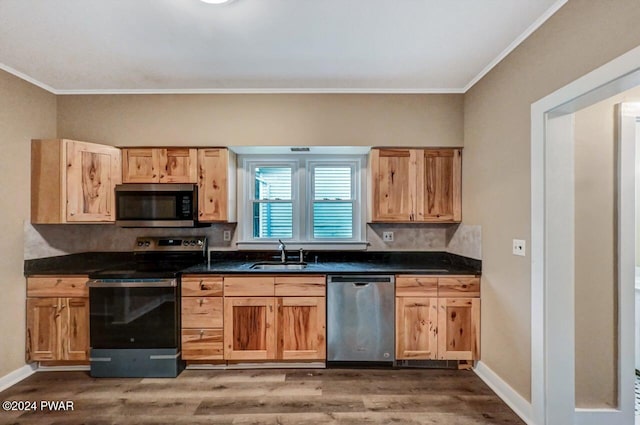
x=519 y=247
x=387 y=236
x=226 y=235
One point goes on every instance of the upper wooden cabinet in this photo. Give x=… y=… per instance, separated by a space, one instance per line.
x=415 y=185
x=216 y=185
x=159 y=165
x=73 y=182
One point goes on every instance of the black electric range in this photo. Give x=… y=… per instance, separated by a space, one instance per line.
x=134 y=311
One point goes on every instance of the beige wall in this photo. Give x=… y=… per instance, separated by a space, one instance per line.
x=263 y=119
x=581 y=36
x=25 y=112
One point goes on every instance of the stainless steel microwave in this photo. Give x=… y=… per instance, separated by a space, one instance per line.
x=157 y=205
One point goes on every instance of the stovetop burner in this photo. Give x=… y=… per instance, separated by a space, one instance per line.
x=159 y=257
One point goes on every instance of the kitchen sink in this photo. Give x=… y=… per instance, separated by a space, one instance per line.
x=278 y=266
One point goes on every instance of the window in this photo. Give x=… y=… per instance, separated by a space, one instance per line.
x=333 y=209
x=307 y=199
x=272 y=202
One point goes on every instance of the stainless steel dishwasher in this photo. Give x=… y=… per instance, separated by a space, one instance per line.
x=360 y=319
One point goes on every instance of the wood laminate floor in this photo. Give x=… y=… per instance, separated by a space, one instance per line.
x=313 y=396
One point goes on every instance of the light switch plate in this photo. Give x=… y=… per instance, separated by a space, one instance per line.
x=387 y=236
x=519 y=247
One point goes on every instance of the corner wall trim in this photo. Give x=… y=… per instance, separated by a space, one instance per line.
x=514 y=400
x=17 y=375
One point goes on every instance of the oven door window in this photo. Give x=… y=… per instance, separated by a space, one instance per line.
x=133 y=317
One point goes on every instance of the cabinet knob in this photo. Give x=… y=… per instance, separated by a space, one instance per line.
x=200 y=301
x=201 y=333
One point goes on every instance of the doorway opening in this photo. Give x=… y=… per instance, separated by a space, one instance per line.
x=553 y=203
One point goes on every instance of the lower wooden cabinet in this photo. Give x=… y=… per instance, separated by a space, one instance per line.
x=437 y=318
x=458 y=328
x=301 y=328
x=275 y=318
x=249 y=331
x=57 y=318
x=416 y=328
x=202 y=344
x=202 y=317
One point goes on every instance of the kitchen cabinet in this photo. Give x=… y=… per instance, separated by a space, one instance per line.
x=275 y=318
x=249 y=331
x=437 y=318
x=415 y=185
x=216 y=185
x=57 y=319
x=458 y=328
x=202 y=317
x=73 y=181
x=159 y=165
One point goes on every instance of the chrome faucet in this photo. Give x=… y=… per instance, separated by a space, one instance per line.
x=283 y=254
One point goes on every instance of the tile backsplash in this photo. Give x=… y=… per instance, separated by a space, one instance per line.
x=47 y=240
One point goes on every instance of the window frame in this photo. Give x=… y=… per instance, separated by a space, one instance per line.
x=302 y=200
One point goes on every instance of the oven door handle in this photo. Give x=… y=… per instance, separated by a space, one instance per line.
x=113 y=283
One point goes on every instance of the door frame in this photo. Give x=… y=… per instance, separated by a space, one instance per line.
x=552 y=250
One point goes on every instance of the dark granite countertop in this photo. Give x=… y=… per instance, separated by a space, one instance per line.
x=239 y=262
x=82 y=263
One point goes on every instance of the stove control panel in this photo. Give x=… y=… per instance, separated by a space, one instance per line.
x=170 y=244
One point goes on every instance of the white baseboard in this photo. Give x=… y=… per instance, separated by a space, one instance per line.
x=514 y=400
x=17 y=375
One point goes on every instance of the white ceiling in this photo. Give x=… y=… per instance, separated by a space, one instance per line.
x=137 y=46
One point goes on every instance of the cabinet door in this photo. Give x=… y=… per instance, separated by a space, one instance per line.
x=91 y=175
x=416 y=328
x=301 y=328
x=141 y=165
x=178 y=165
x=249 y=331
x=74 y=334
x=458 y=328
x=43 y=328
x=439 y=186
x=393 y=180
x=213 y=184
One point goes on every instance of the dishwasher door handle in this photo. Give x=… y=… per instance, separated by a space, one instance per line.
x=361 y=284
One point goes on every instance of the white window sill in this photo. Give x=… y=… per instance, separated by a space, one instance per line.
x=293 y=246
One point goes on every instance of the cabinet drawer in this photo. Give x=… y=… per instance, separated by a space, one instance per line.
x=416 y=286
x=251 y=286
x=459 y=286
x=57 y=286
x=202 y=344
x=202 y=312
x=300 y=286
x=201 y=286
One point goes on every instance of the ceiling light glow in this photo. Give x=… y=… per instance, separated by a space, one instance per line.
x=216 y=1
